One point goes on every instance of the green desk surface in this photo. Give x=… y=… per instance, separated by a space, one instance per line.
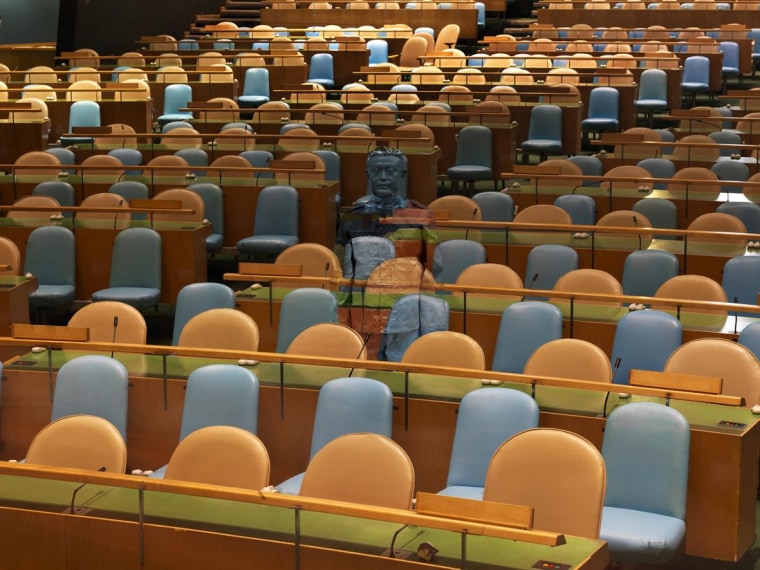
x=331 y=530
x=419 y=386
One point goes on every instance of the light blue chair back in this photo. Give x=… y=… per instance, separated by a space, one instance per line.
x=136 y=259
x=260 y=159
x=474 y=153
x=378 y=51
x=255 y=87
x=332 y=163
x=747 y=212
x=495 y=206
x=646 y=452
x=661 y=213
x=176 y=96
x=276 y=223
x=51 y=257
x=658 y=168
x=548 y=262
x=696 y=74
x=582 y=209
x=644 y=340
x=63 y=192
x=131 y=190
x=302 y=308
x=749 y=337
x=321 y=70
x=347 y=405
x=94 y=385
x=741 y=281
x=731 y=170
x=195 y=157
x=364 y=253
x=523 y=328
x=129 y=157
x=213 y=208
x=196 y=298
x=645 y=270
x=486 y=418
x=454 y=256
x=410 y=317
x=220 y=394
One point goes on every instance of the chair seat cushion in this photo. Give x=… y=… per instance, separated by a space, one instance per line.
x=596 y=124
x=52 y=296
x=469 y=172
x=463 y=492
x=163 y=119
x=214 y=242
x=640 y=537
x=542 y=145
x=292 y=486
x=651 y=104
x=266 y=244
x=695 y=87
x=138 y=297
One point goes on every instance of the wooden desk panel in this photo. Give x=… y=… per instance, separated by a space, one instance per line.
x=137 y=114
x=20 y=137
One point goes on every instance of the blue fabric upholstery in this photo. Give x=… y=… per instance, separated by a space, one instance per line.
x=195 y=298
x=63 y=192
x=95 y=385
x=219 y=394
x=547 y=263
x=81 y=114
x=495 y=206
x=454 y=256
x=747 y=212
x=255 y=87
x=135 y=269
x=750 y=338
x=741 y=281
x=51 y=257
x=644 y=340
x=410 y=317
x=321 y=70
x=653 y=93
x=658 y=168
x=645 y=270
x=302 y=308
x=276 y=225
x=473 y=155
x=523 y=328
x=486 y=419
x=582 y=209
x=646 y=452
x=213 y=208
x=176 y=96
x=544 y=131
x=603 y=110
x=364 y=253
x=346 y=405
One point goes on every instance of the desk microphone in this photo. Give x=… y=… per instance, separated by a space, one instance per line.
x=636 y=225
x=530 y=285
x=364 y=345
x=615 y=368
x=392 y=553
x=116 y=216
x=327 y=272
x=72 y=509
x=115 y=327
x=472 y=219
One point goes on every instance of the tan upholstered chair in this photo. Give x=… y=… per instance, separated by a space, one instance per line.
x=489 y=275
x=108 y=167
x=221 y=455
x=624 y=219
x=105 y=200
x=52 y=205
x=694 y=189
x=736 y=364
x=10 y=256
x=224 y=329
x=190 y=200
x=558 y=473
x=100 y=319
x=589 y=281
x=446 y=348
x=364 y=468
x=329 y=340
x=79 y=442
x=694 y=288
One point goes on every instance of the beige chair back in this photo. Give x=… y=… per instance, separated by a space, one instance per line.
x=558 y=473
x=329 y=340
x=190 y=201
x=105 y=200
x=364 y=468
x=223 y=329
x=10 y=256
x=221 y=455
x=446 y=348
x=79 y=442
x=100 y=319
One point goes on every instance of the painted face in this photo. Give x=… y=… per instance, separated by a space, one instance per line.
x=385 y=174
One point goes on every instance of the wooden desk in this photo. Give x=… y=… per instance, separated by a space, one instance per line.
x=22 y=136
x=436 y=19
x=168 y=525
x=14 y=300
x=137 y=114
x=723 y=472
x=183 y=252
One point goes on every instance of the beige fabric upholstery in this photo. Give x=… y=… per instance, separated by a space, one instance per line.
x=446 y=348
x=459 y=207
x=558 y=473
x=315 y=259
x=36 y=202
x=190 y=200
x=329 y=340
x=79 y=442
x=490 y=275
x=99 y=318
x=543 y=214
x=589 y=281
x=103 y=160
x=624 y=219
x=221 y=455
x=364 y=468
x=105 y=200
x=224 y=329
x=736 y=364
x=10 y=256
x=692 y=287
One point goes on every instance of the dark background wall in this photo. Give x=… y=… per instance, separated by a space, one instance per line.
x=108 y=26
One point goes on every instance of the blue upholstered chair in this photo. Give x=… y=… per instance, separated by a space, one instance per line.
x=453 y=256
x=582 y=209
x=195 y=298
x=658 y=168
x=661 y=213
x=135 y=269
x=81 y=114
x=645 y=270
x=321 y=70
x=255 y=87
x=95 y=385
x=410 y=317
x=219 y=395
x=473 y=156
x=646 y=451
x=176 y=96
x=747 y=212
x=523 y=328
x=741 y=281
x=653 y=93
x=486 y=419
x=644 y=340
x=62 y=191
x=346 y=405
x=544 y=132
x=213 y=208
x=495 y=206
x=548 y=262
x=695 y=79
x=302 y=308
x=603 y=111
x=51 y=257
x=276 y=225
